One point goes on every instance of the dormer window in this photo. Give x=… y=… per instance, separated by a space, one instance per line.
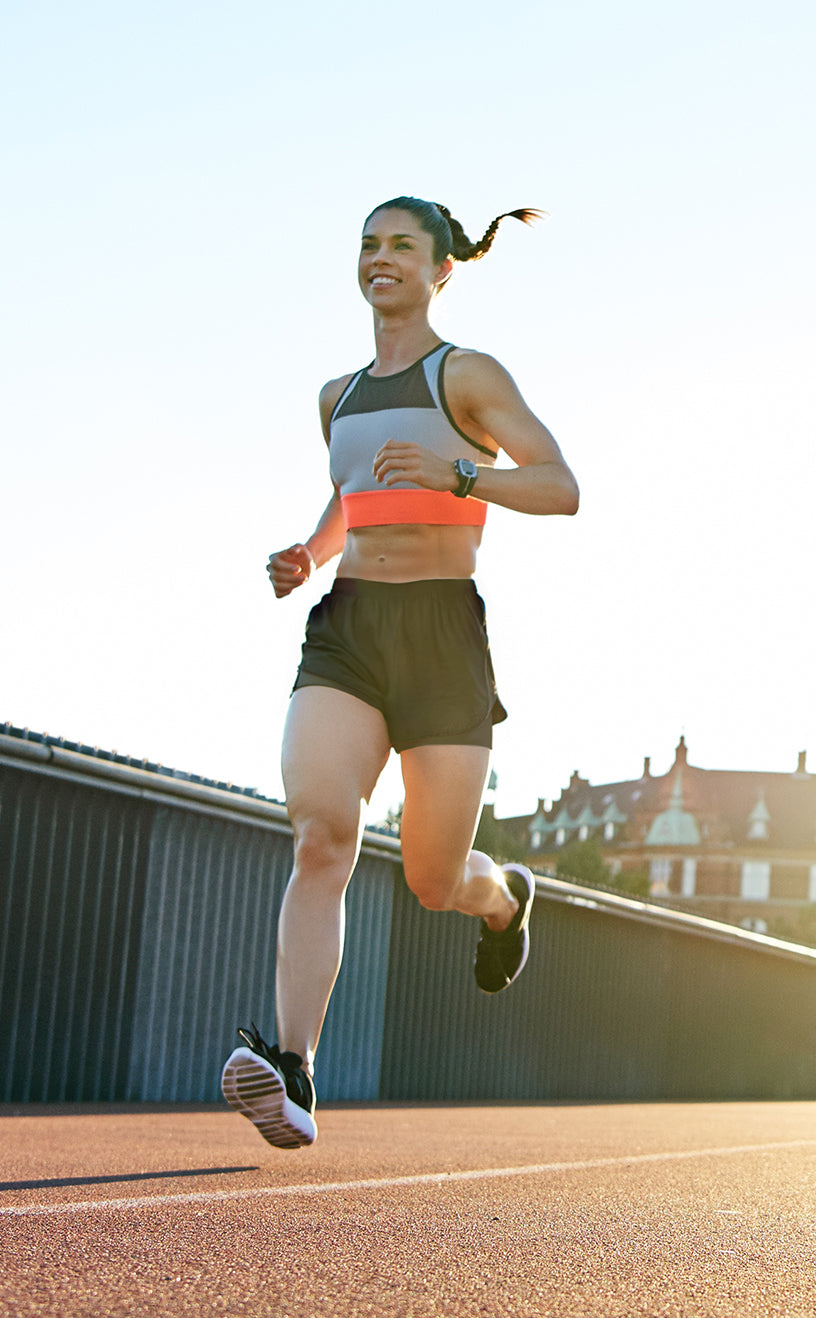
x=560 y=835
x=758 y=821
x=609 y=831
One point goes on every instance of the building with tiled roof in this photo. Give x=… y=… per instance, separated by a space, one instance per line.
x=735 y=845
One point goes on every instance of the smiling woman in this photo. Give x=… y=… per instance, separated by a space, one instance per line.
x=396 y=655
x=447 y=235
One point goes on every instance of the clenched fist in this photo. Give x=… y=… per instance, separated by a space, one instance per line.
x=289 y=568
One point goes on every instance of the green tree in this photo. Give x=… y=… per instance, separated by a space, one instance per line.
x=582 y=862
x=634 y=882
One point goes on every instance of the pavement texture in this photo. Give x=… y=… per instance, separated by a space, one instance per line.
x=555 y=1211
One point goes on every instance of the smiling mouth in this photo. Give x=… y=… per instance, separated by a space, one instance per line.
x=383 y=281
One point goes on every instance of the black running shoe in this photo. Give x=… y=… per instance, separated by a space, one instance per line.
x=271 y=1089
x=500 y=958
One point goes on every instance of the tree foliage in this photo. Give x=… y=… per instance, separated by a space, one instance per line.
x=634 y=882
x=582 y=862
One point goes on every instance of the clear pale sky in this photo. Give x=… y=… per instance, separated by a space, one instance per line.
x=184 y=186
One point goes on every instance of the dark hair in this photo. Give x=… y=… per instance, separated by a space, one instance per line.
x=449 y=238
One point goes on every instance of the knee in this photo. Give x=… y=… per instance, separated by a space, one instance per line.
x=433 y=900
x=433 y=891
x=325 y=847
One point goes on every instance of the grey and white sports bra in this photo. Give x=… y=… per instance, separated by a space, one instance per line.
x=411 y=408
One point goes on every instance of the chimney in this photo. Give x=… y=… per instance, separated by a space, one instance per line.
x=800 y=768
x=647 y=766
x=681 y=753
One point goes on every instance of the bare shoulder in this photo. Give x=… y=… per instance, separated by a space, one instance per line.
x=487 y=404
x=332 y=391
x=472 y=375
x=330 y=396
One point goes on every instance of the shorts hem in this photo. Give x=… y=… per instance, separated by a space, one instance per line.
x=305 y=678
x=416 y=651
x=476 y=738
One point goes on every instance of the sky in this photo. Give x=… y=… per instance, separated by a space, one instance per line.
x=185 y=186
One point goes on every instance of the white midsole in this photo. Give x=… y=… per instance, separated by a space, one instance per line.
x=255 y=1089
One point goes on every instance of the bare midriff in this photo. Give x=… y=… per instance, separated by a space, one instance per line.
x=410 y=552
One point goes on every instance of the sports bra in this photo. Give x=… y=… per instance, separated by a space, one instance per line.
x=411 y=408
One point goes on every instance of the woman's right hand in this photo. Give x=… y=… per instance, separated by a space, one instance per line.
x=289 y=568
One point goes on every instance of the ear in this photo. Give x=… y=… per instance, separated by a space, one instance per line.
x=443 y=273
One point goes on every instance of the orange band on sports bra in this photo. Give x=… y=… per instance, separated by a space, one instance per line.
x=421 y=507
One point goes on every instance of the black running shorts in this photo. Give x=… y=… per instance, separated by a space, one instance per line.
x=415 y=650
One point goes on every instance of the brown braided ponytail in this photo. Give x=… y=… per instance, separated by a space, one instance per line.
x=462 y=249
x=449 y=238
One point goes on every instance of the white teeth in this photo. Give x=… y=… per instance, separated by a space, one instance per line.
x=383 y=279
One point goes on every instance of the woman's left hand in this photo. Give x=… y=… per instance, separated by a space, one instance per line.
x=397 y=462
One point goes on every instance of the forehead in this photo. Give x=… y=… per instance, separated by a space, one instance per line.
x=386 y=223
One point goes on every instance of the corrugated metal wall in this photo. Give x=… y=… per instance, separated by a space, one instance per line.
x=74 y=865
x=208 y=960
x=207 y=948
x=609 y=1007
x=137 y=930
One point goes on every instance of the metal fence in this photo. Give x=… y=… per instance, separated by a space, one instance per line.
x=138 y=915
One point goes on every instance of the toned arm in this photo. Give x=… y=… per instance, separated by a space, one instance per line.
x=487 y=405
x=291 y=567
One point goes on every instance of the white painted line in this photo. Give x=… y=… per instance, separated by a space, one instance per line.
x=388 y=1182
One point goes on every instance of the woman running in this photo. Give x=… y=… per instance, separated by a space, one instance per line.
x=396 y=655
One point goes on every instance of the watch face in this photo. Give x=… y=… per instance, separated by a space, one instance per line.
x=467 y=468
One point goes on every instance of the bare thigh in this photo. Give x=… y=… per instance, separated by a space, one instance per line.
x=334 y=749
x=443 y=797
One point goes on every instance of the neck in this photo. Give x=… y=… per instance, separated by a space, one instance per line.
x=400 y=342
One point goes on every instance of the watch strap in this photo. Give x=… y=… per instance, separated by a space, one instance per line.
x=466 y=483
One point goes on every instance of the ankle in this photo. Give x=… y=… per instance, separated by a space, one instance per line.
x=306 y=1056
x=498 y=922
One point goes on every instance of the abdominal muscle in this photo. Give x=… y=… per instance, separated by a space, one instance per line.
x=410 y=552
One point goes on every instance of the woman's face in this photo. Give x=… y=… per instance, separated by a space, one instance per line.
x=396 y=268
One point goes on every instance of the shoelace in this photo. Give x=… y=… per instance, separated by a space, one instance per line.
x=285 y=1062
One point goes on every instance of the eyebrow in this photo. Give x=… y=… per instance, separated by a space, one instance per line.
x=412 y=236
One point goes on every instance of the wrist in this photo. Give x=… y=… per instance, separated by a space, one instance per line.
x=466 y=474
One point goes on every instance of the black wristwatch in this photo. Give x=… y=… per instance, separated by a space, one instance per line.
x=467 y=472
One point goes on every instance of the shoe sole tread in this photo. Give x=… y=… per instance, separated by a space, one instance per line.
x=255 y=1089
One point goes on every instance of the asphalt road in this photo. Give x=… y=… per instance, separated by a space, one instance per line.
x=563 y=1211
